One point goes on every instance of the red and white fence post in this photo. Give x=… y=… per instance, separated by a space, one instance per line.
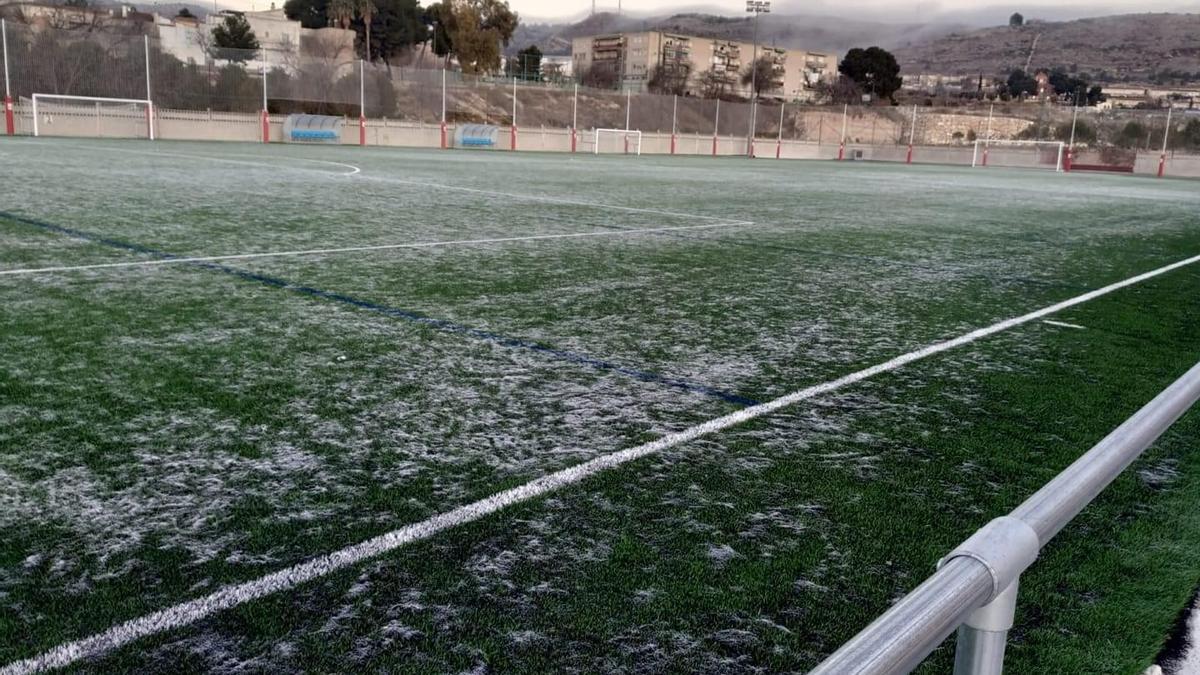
x=674 y=111
x=574 y=117
x=987 y=143
x=842 y=143
x=149 y=98
x=266 y=119
x=10 y=125
x=1162 y=159
x=513 y=133
x=716 y=127
x=912 y=134
x=362 y=103
x=443 y=127
x=779 y=140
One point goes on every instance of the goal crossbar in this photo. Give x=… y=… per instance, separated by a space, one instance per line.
x=95 y=99
x=627 y=133
x=983 y=146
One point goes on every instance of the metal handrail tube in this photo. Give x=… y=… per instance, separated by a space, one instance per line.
x=911 y=629
x=1050 y=509
x=903 y=636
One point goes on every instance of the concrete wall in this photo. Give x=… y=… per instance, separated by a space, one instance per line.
x=87 y=121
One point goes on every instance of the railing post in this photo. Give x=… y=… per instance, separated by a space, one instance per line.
x=984 y=635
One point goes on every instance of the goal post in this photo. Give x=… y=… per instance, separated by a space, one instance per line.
x=626 y=141
x=99 y=116
x=1019 y=154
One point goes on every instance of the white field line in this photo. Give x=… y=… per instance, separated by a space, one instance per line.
x=1061 y=324
x=359 y=249
x=191 y=611
x=437 y=186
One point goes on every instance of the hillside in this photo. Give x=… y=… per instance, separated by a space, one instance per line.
x=1123 y=48
x=794 y=31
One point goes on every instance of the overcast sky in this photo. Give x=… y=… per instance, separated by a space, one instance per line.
x=887 y=10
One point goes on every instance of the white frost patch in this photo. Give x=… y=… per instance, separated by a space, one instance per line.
x=1189 y=662
x=720 y=555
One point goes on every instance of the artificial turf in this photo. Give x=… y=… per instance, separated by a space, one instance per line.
x=167 y=430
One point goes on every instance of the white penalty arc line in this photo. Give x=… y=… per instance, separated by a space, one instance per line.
x=436 y=186
x=360 y=249
x=189 y=612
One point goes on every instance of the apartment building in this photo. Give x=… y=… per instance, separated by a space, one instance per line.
x=631 y=59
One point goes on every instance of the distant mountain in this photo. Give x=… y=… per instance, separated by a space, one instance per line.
x=801 y=31
x=1124 y=48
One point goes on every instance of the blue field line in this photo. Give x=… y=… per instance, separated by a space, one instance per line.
x=440 y=324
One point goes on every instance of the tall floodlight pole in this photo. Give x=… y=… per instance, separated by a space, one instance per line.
x=754 y=7
x=149 y=98
x=628 y=100
x=716 y=127
x=842 y=143
x=779 y=140
x=1071 y=143
x=9 y=122
x=1162 y=159
x=912 y=134
x=513 y=131
x=674 y=112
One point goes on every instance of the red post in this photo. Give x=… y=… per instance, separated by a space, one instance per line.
x=841 y=151
x=362 y=130
x=627 y=144
x=751 y=148
x=513 y=145
x=573 y=138
x=1067 y=161
x=714 y=145
x=9 y=123
x=908 y=159
x=672 y=144
x=778 y=149
x=985 y=154
x=1162 y=165
x=443 y=135
x=266 y=127
x=150 y=121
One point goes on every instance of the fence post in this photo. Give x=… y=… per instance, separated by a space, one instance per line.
x=1162 y=159
x=753 y=130
x=443 y=134
x=149 y=98
x=716 y=127
x=1071 y=144
x=779 y=141
x=10 y=125
x=628 y=101
x=266 y=120
x=574 y=116
x=987 y=142
x=674 y=111
x=362 y=102
x=842 y=145
x=912 y=134
x=513 y=131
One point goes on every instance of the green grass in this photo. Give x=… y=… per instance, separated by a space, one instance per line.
x=169 y=430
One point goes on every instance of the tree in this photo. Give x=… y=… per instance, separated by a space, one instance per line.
x=310 y=13
x=397 y=26
x=874 y=70
x=670 y=79
x=599 y=77
x=340 y=13
x=840 y=90
x=1130 y=135
x=233 y=39
x=1020 y=83
x=1016 y=20
x=185 y=13
x=760 y=76
x=476 y=30
x=714 y=84
x=366 y=11
x=527 y=65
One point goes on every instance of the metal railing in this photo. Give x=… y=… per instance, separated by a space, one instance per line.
x=975 y=586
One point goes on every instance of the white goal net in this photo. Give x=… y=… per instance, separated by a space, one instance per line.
x=1020 y=154
x=620 y=141
x=92 y=116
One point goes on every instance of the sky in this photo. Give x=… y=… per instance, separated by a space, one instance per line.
x=885 y=10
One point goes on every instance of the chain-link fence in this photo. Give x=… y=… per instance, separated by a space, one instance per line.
x=143 y=60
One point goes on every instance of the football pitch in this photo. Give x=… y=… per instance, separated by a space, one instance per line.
x=281 y=408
